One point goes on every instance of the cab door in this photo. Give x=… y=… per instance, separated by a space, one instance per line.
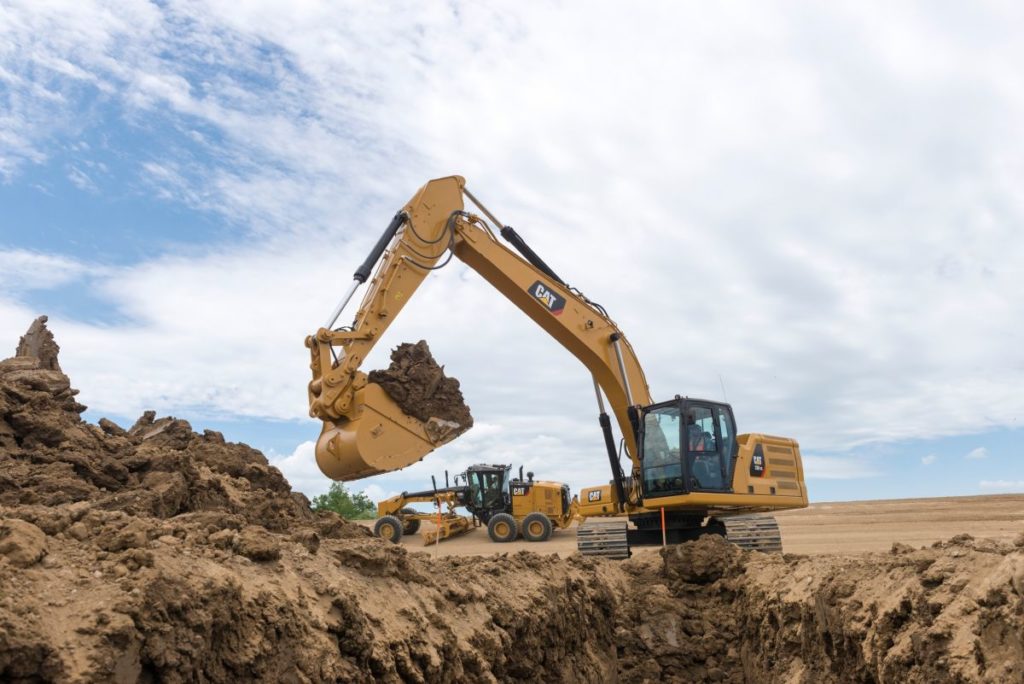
x=708 y=440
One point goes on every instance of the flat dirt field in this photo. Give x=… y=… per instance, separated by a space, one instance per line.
x=833 y=527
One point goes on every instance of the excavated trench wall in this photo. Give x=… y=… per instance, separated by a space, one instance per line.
x=154 y=553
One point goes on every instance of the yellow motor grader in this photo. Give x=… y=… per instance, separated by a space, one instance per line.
x=508 y=506
x=690 y=472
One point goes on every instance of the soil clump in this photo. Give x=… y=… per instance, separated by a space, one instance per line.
x=417 y=383
x=38 y=343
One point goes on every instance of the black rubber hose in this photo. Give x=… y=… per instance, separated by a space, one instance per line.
x=519 y=243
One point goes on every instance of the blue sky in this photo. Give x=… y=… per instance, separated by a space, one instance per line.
x=818 y=209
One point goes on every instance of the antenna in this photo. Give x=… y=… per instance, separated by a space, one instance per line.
x=722 y=383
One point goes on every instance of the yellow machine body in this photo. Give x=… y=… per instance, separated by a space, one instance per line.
x=780 y=486
x=545 y=497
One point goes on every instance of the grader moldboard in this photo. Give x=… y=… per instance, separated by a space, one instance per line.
x=507 y=506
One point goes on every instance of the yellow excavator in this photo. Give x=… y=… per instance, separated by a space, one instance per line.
x=690 y=471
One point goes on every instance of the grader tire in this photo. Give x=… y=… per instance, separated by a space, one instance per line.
x=536 y=527
x=410 y=526
x=502 y=528
x=388 y=527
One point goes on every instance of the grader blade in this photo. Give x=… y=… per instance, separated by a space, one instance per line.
x=451 y=526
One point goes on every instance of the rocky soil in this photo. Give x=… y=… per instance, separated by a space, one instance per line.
x=711 y=612
x=419 y=386
x=155 y=553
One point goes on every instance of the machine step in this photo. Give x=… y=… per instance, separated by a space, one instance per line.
x=753 y=532
x=605 y=538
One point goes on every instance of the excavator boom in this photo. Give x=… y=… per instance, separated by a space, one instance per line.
x=365 y=432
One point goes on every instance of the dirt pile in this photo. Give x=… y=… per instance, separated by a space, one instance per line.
x=419 y=386
x=158 y=554
x=710 y=612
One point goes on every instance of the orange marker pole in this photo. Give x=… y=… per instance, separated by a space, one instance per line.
x=664 y=538
x=438 y=542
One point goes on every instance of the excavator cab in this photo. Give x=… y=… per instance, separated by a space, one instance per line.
x=687 y=446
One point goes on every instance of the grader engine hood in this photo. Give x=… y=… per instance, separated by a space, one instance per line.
x=399 y=416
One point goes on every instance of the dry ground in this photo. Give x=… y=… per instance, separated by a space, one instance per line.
x=832 y=527
x=157 y=554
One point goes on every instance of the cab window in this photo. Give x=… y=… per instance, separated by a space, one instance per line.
x=662 y=466
x=706 y=458
x=728 y=440
x=700 y=429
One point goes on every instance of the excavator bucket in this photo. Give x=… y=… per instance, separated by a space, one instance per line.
x=380 y=439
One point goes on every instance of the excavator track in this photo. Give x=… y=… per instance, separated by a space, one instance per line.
x=754 y=532
x=606 y=538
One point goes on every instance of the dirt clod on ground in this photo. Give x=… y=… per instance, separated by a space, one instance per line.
x=155 y=553
x=419 y=386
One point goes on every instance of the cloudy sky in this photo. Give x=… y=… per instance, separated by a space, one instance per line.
x=815 y=212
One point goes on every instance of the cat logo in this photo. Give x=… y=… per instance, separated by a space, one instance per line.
x=594 y=495
x=757 y=462
x=519 y=491
x=543 y=294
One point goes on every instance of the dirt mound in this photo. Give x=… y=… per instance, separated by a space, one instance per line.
x=154 y=553
x=710 y=612
x=419 y=386
x=158 y=554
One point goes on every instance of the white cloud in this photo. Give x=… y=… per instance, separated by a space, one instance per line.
x=1002 y=485
x=977 y=453
x=22 y=269
x=374 y=492
x=299 y=468
x=80 y=179
x=821 y=206
x=928 y=459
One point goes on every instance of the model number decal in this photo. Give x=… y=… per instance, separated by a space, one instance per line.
x=543 y=294
x=594 y=496
x=757 y=462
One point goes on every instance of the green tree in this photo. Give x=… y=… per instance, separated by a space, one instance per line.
x=351 y=505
